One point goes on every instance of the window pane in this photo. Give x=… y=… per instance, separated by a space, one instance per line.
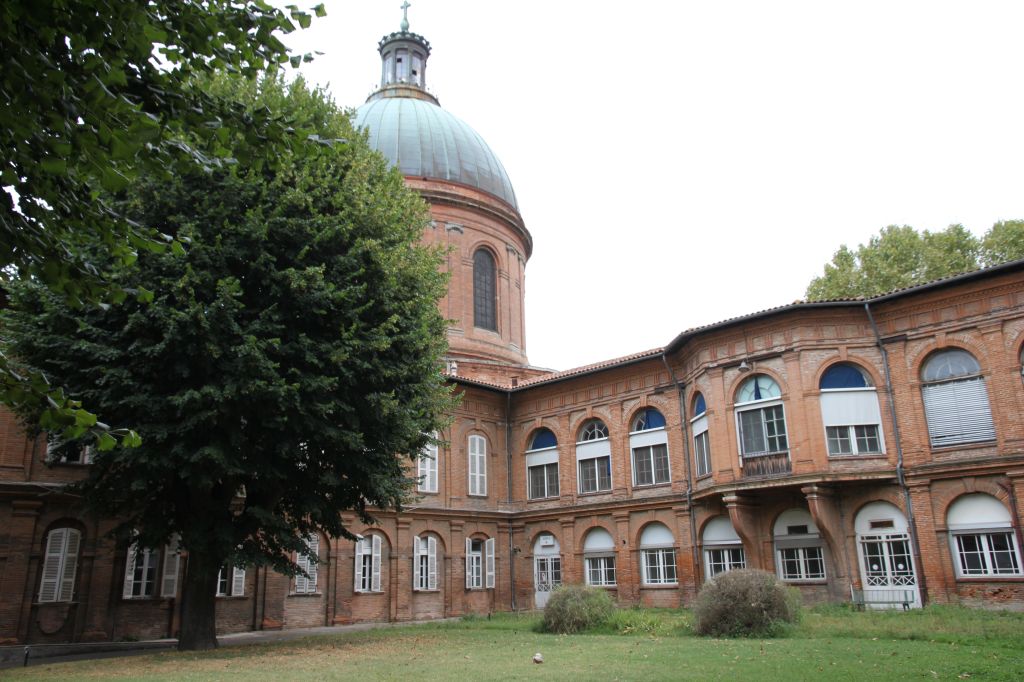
x=660 y=455
x=702 y=453
x=588 y=476
x=839 y=440
x=775 y=428
x=642 y=466
x=552 y=473
x=484 y=291
x=752 y=432
x=604 y=473
x=867 y=438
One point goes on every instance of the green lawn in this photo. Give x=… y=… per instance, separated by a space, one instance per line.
x=936 y=643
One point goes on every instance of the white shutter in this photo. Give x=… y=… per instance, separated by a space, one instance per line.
x=958 y=412
x=358 y=572
x=129 y=570
x=67 y=578
x=416 y=551
x=850 y=408
x=477 y=465
x=469 y=570
x=314 y=562
x=375 y=579
x=172 y=559
x=489 y=560
x=431 y=563
x=55 y=543
x=301 y=582
x=237 y=581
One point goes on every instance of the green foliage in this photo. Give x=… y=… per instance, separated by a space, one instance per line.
x=92 y=93
x=288 y=365
x=899 y=257
x=745 y=603
x=574 y=608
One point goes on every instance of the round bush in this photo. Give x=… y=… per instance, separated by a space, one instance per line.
x=573 y=608
x=745 y=603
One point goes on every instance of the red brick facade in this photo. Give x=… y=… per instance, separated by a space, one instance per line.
x=664 y=530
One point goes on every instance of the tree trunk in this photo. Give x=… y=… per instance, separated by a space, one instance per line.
x=199 y=604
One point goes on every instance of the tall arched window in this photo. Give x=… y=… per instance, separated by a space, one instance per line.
x=594 y=458
x=648 y=441
x=849 y=408
x=542 y=465
x=701 y=444
x=484 y=291
x=60 y=565
x=955 y=399
x=761 y=423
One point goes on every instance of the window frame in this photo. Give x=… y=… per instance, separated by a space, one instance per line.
x=427 y=469
x=663 y=559
x=480 y=563
x=60 y=558
x=986 y=553
x=310 y=562
x=424 y=564
x=956 y=396
x=159 y=571
x=368 y=565
x=733 y=557
x=547 y=492
x=602 y=565
x=485 y=290
x=233 y=586
x=477 y=474
x=596 y=462
x=653 y=463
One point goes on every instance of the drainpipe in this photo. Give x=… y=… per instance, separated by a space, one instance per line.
x=508 y=476
x=681 y=389
x=900 y=478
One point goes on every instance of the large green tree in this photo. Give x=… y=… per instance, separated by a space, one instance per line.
x=91 y=93
x=288 y=363
x=900 y=257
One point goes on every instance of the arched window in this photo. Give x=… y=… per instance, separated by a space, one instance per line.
x=981 y=537
x=955 y=399
x=658 y=555
x=143 y=567
x=701 y=442
x=484 y=291
x=477 y=465
x=594 y=458
x=424 y=563
x=60 y=565
x=542 y=465
x=599 y=557
x=798 y=551
x=761 y=422
x=849 y=409
x=723 y=550
x=648 y=443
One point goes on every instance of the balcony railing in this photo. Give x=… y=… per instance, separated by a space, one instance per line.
x=772 y=464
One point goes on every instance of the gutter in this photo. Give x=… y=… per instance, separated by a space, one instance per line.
x=900 y=474
x=680 y=394
x=508 y=478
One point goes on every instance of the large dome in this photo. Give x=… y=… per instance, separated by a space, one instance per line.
x=423 y=140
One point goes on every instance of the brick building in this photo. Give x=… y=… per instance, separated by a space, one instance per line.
x=867 y=444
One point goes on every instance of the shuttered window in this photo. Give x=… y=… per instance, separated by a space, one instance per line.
x=140 y=572
x=424 y=563
x=60 y=565
x=172 y=566
x=367 y=564
x=480 y=564
x=308 y=561
x=427 y=469
x=477 y=465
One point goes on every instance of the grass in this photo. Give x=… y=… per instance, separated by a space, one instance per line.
x=941 y=643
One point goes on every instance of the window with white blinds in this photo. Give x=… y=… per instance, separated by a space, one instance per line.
x=958 y=412
x=477 y=465
x=60 y=565
x=367 y=567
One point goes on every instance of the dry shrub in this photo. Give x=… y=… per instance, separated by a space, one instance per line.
x=574 y=608
x=745 y=603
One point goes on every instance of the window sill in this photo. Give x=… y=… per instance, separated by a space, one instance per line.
x=145 y=599
x=648 y=486
x=866 y=455
x=797 y=581
x=702 y=477
x=759 y=455
x=230 y=596
x=660 y=586
x=1019 y=578
x=309 y=594
x=604 y=587
x=477 y=495
x=436 y=590
x=427 y=492
x=595 y=493
x=550 y=498
x=479 y=589
x=54 y=603
x=369 y=593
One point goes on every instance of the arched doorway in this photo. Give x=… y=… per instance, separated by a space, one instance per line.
x=884 y=553
x=547 y=568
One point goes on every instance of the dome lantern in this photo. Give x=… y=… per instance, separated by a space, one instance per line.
x=403 y=57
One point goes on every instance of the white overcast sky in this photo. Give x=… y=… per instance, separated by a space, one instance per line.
x=679 y=163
